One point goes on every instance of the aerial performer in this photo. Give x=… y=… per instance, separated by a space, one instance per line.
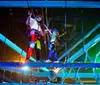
x=34 y=33
x=53 y=45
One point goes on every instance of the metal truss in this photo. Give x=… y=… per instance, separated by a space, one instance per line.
x=43 y=84
x=80 y=52
x=73 y=73
x=87 y=47
x=67 y=4
x=81 y=40
x=51 y=65
x=16 y=48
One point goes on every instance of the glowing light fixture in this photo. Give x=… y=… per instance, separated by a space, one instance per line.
x=56 y=70
x=25 y=68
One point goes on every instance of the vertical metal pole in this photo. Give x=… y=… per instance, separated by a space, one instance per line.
x=46 y=13
x=84 y=42
x=3 y=75
x=10 y=76
x=64 y=75
x=47 y=24
x=65 y=22
x=76 y=76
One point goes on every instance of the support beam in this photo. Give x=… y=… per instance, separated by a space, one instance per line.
x=75 y=56
x=60 y=65
x=67 y=4
x=42 y=84
x=74 y=46
x=28 y=72
x=87 y=47
x=16 y=48
x=47 y=74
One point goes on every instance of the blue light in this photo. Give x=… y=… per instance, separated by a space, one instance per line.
x=70 y=4
x=25 y=68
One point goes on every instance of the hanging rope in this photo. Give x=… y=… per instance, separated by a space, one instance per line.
x=20 y=59
x=65 y=22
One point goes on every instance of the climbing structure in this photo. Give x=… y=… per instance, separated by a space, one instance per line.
x=78 y=64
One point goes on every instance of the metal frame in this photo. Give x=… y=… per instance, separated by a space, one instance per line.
x=42 y=84
x=76 y=75
x=81 y=40
x=68 y=4
x=51 y=65
x=16 y=48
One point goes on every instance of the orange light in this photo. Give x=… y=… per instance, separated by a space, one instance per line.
x=23 y=61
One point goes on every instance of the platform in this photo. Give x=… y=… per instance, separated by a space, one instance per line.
x=47 y=3
x=44 y=84
x=67 y=65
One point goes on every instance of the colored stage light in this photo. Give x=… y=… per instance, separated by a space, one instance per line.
x=25 y=68
x=23 y=62
x=56 y=70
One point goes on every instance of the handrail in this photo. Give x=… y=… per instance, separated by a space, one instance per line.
x=51 y=65
x=46 y=74
x=87 y=35
x=69 y=64
x=68 y=4
x=42 y=84
x=87 y=47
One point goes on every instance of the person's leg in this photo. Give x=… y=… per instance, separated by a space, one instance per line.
x=37 y=51
x=31 y=44
x=55 y=56
x=29 y=52
x=30 y=49
x=50 y=54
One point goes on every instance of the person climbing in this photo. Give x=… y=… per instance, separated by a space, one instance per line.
x=34 y=31
x=53 y=44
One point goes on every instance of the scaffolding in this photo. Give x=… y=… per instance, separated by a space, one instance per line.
x=73 y=66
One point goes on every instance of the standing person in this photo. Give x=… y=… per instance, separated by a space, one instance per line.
x=34 y=31
x=52 y=46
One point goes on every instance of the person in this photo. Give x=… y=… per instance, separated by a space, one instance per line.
x=53 y=44
x=34 y=32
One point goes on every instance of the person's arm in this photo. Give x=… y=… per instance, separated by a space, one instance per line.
x=62 y=34
x=47 y=29
x=40 y=31
x=28 y=20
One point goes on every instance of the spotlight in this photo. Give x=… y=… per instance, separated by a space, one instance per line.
x=25 y=68
x=22 y=61
x=56 y=70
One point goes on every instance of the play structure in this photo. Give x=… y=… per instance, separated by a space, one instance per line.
x=78 y=66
